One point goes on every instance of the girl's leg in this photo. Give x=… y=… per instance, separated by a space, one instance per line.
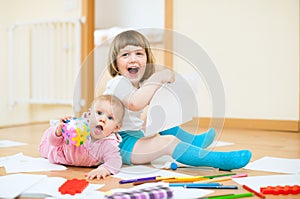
x=147 y=149
x=191 y=155
x=200 y=140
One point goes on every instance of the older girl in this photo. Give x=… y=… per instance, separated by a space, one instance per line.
x=135 y=81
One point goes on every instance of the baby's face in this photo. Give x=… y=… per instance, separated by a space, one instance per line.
x=102 y=120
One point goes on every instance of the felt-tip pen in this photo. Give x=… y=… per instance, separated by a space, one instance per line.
x=193 y=184
x=212 y=187
x=137 y=180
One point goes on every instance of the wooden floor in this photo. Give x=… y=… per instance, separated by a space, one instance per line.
x=261 y=143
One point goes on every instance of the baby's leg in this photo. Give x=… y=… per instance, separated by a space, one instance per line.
x=148 y=149
x=44 y=144
x=200 y=140
x=45 y=147
x=195 y=156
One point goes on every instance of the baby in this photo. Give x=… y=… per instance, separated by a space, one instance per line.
x=102 y=150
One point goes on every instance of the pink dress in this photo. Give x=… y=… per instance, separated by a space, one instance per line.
x=104 y=152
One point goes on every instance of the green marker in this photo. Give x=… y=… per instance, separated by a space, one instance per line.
x=232 y=196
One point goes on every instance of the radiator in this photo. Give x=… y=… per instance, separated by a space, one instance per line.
x=44 y=62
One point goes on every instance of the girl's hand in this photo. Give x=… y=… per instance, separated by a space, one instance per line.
x=163 y=76
x=98 y=173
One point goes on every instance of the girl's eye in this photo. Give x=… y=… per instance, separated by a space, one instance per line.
x=124 y=54
x=110 y=117
x=140 y=53
x=99 y=112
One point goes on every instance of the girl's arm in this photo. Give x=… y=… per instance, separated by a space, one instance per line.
x=139 y=99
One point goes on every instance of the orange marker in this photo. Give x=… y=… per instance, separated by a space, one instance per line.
x=253 y=191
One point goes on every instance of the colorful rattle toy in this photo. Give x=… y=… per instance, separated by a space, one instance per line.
x=76 y=131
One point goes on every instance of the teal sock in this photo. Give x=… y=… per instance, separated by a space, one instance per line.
x=195 y=156
x=200 y=140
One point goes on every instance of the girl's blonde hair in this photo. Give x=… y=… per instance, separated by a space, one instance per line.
x=134 y=38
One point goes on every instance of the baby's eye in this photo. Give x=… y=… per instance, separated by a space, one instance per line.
x=110 y=117
x=99 y=112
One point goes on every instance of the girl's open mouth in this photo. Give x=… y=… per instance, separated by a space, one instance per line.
x=133 y=70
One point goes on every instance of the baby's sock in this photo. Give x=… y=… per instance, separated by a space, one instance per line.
x=194 y=156
x=200 y=140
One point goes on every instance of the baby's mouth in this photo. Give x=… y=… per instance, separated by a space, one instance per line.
x=98 y=129
x=133 y=70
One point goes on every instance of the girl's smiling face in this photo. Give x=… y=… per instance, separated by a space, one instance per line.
x=131 y=62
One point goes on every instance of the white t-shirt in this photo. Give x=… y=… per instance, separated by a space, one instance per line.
x=121 y=87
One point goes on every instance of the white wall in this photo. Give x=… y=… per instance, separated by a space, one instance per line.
x=129 y=13
x=254 y=45
x=20 y=10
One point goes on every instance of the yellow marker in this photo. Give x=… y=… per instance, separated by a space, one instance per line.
x=185 y=180
x=217 y=179
x=190 y=178
x=164 y=178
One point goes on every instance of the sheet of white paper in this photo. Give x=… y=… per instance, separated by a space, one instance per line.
x=256 y=182
x=21 y=163
x=172 y=105
x=181 y=192
x=10 y=143
x=141 y=171
x=273 y=164
x=165 y=161
x=13 y=185
x=49 y=187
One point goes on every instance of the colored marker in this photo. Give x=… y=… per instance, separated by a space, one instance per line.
x=145 y=181
x=193 y=184
x=220 y=175
x=212 y=187
x=137 y=180
x=177 y=180
x=164 y=178
x=219 y=179
x=258 y=194
x=230 y=196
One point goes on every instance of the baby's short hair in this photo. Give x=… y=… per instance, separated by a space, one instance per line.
x=117 y=106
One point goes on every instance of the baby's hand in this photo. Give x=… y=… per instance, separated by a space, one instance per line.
x=98 y=173
x=86 y=114
x=62 y=122
x=66 y=119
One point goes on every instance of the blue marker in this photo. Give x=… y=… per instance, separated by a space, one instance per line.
x=212 y=186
